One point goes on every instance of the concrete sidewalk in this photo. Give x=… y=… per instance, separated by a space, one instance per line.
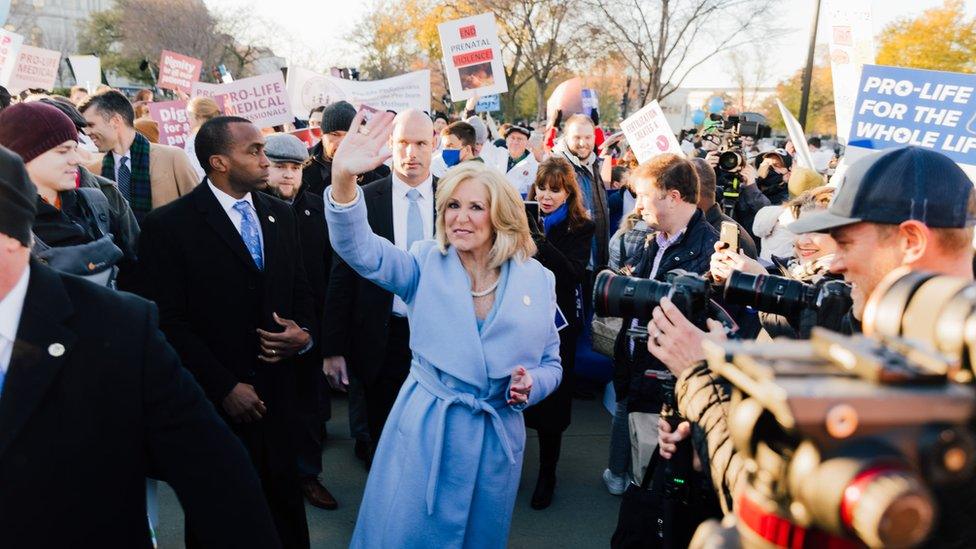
x=582 y=515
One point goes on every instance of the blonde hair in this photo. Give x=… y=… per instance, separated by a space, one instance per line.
x=508 y=220
x=203 y=108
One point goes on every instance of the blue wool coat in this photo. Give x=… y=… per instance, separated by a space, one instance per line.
x=447 y=468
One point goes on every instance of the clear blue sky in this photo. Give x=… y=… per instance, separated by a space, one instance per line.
x=319 y=28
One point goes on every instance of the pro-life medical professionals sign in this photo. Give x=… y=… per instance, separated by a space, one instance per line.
x=473 y=57
x=261 y=99
x=896 y=107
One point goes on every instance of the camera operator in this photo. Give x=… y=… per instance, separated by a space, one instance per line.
x=907 y=207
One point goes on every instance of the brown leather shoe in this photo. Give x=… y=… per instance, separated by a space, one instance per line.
x=318 y=495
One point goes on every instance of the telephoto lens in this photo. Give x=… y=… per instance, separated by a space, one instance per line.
x=628 y=297
x=769 y=293
x=730 y=161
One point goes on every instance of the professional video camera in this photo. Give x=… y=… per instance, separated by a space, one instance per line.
x=823 y=304
x=734 y=128
x=846 y=439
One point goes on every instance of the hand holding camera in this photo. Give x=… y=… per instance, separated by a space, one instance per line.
x=725 y=260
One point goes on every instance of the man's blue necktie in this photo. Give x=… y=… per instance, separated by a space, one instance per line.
x=415 y=223
x=124 y=178
x=249 y=232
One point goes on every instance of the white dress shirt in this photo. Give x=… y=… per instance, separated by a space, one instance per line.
x=118 y=162
x=227 y=203
x=401 y=205
x=10 y=308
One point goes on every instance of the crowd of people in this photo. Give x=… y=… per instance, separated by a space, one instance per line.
x=438 y=269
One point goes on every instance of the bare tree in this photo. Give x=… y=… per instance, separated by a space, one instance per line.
x=665 y=40
x=749 y=71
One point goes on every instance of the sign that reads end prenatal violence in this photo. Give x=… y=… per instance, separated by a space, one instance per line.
x=261 y=99
x=473 y=57
x=897 y=107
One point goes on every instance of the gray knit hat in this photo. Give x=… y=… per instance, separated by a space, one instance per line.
x=337 y=117
x=285 y=147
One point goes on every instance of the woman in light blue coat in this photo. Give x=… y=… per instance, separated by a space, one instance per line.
x=484 y=345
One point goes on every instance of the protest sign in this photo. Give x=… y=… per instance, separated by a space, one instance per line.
x=309 y=136
x=173 y=122
x=10 y=43
x=472 y=57
x=851 y=47
x=178 y=72
x=649 y=134
x=308 y=89
x=492 y=103
x=261 y=99
x=37 y=68
x=896 y=107
x=795 y=131
x=87 y=70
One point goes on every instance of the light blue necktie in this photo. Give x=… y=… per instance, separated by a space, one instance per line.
x=249 y=232
x=124 y=177
x=2 y=375
x=415 y=223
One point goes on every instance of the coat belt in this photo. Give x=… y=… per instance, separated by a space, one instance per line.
x=427 y=378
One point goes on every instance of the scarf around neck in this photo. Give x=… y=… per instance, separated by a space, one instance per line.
x=555 y=218
x=140 y=190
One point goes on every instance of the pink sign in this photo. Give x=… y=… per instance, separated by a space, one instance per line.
x=10 y=43
x=37 y=68
x=261 y=99
x=178 y=72
x=174 y=121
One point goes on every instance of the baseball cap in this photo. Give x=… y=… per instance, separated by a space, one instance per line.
x=894 y=186
x=518 y=129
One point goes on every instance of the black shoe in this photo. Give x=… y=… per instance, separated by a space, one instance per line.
x=544 y=487
x=362 y=450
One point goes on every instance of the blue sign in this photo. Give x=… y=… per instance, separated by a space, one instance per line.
x=489 y=103
x=896 y=107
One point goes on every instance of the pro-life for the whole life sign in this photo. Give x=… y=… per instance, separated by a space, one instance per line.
x=896 y=107
x=472 y=57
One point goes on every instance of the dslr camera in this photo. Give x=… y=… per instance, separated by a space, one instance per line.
x=824 y=303
x=848 y=439
x=734 y=127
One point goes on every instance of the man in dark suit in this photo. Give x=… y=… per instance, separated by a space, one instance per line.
x=287 y=154
x=224 y=264
x=317 y=175
x=92 y=400
x=366 y=325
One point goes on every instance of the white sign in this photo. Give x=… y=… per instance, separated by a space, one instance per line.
x=795 y=131
x=473 y=57
x=308 y=89
x=261 y=99
x=10 y=43
x=37 y=68
x=649 y=134
x=87 y=70
x=851 y=47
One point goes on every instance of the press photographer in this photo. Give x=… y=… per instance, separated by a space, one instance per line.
x=667 y=194
x=907 y=207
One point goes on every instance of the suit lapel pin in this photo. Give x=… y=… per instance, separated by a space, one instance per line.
x=271 y=218
x=526 y=300
x=55 y=349
x=308 y=212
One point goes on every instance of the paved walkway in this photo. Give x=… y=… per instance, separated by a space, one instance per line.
x=582 y=515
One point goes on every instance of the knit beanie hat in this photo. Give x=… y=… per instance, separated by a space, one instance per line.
x=803 y=179
x=18 y=197
x=32 y=129
x=337 y=117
